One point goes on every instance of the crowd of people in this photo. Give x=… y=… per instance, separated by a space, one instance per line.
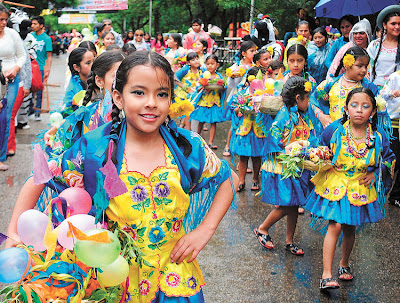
x=338 y=97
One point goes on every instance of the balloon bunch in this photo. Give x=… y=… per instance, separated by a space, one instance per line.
x=63 y=249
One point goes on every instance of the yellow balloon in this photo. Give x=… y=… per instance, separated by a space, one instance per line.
x=269 y=83
x=115 y=273
x=207 y=75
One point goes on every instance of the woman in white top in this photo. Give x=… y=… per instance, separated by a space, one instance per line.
x=13 y=57
x=385 y=52
x=139 y=42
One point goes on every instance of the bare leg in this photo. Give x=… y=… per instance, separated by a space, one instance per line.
x=274 y=216
x=330 y=240
x=256 y=168
x=349 y=235
x=228 y=139
x=200 y=127
x=243 y=160
x=213 y=129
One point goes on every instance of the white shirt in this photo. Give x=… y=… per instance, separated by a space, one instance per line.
x=12 y=50
x=393 y=104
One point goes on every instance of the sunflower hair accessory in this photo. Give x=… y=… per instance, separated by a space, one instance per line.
x=348 y=60
x=270 y=50
x=307 y=86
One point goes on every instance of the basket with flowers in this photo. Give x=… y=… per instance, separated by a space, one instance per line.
x=298 y=156
x=211 y=84
x=235 y=71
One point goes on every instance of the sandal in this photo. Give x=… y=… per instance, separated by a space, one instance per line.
x=323 y=284
x=11 y=153
x=226 y=152
x=263 y=239
x=294 y=249
x=212 y=146
x=3 y=167
x=255 y=186
x=345 y=271
x=300 y=210
x=249 y=171
x=241 y=187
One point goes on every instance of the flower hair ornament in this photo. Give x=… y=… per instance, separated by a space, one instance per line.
x=348 y=60
x=270 y=50
x=270 y=70
x=307 y=86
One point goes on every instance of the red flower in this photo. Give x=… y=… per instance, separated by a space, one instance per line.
x=203 y=81
x=220 y=82
x=176 y=226
x=172 y=279
x=297 y=133
x=144 y=287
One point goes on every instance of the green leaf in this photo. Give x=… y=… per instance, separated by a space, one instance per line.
x=98 y=294
x=71 y=165
x=160 y=221
x=169 y=225
x=141 y=231
x=163 y=176
x=151 y=273
x=137 y=206
x=147 y=264
x=152 y=246
x=132 y=180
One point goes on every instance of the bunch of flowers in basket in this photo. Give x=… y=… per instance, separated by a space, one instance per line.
x=245 y=103
x=181 y=61
x=180 y=107
x=211 y=84
x=235 y=71
x=299 y=156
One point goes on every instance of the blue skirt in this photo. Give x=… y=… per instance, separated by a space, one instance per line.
x=342 y=211
x=248 y=145
x=285 y=192
x=162 y=298
x=213 y=114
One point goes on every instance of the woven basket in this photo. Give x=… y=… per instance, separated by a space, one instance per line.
x=271 y=105
x=214 y=86
x=310 y=165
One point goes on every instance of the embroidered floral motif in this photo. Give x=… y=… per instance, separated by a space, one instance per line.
x=172 y=279
x=326 y=192
x=54 y=168
x=144 y=287
x=162 y=189
x=138 y=193
x=156 y=234
x=355 y=196
x=363 y=198
x=336 y=191
x=176 y=226
x=191 y=283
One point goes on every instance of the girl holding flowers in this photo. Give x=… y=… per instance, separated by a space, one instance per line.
x=263 y=58
x=208 y=102
x=292 y=126
x=352 y=192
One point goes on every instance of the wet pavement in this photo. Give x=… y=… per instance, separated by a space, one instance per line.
x=236 y=268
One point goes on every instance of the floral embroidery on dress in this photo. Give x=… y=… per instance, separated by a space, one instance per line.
x=144 y=287
x=172 y=279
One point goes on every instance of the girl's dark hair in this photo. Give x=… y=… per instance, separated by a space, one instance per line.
x=100 y=67
x=162 y=38
x=384 y=32
x=88 y=45
x=4 y=9
x=349 y=18
x=253 y=71
x=24 y=28
x=257 y=55
x=212 y=56
x=198 y=21
x=113 y=47
x=177 y=38
x=99 y=27
x=106 y=33
x=275 y=64
x=75 y=57
x=156 y=61
x=300 y=50
x=245 y=46
x=205 y=44
x=294 y=86
x=191 y=56
x=322 y=31
x=128 y=48
x=371 y=97
x=357 y=52
x=302 y=22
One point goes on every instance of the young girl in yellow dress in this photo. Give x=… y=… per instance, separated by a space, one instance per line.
x=157 y=199
x=353 y=191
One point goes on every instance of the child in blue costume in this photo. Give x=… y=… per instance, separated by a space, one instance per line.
x=249 y=137
x=291 y=125
x=353 y=191
x=209 y=103
x=161 y=194
x=329 y=98
x=79 y=62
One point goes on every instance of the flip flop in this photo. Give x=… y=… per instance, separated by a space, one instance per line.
x=345 y=271
x=263 y=239
x=323 y=284
x=226 y=152
x=294 y=249
x=3 y=167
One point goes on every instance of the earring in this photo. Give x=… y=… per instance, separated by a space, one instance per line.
x=121 y=114
x=370 y=119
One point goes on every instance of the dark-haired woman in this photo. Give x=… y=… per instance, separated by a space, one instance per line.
x=318 y=50
x=385 y=51
x=352 y=192
x=174 y=51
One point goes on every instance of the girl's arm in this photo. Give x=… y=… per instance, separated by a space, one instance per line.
x=319 y=100
x=26 y=200
x=194 y=241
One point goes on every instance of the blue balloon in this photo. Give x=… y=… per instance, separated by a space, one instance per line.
x=13 y=264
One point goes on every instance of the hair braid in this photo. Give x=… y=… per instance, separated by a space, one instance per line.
x=90 y=88
x=377 y=55
x=115 y=129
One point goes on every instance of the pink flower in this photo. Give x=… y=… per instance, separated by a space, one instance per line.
x=144 y=287
x=73 y=178
x=55 y=170
x=336 y=191
x=154 y=216
x=176 y=226
x=297 y=133
x=172 y=279
x=355 y=196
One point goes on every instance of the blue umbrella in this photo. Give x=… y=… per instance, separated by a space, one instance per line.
x=338 y=8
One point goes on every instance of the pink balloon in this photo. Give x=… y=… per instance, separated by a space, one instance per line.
x=81 y=221
x=78 y=199
x=256 y=84
x=31 y=227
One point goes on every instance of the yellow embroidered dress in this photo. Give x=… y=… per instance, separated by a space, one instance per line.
x=338 y=195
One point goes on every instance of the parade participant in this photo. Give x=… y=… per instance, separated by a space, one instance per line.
x=246 y=55
x=201 y=49
x=208 y=103
x=303 y=36
x=275 y=68
x=107 y=39
x=174 y=51
x=262 y=59
x=391 y=94
x=44 y=49
x=291 y=125
x=129 y=36
x=346 y=23
x=139 y=42
x=360 y=35
x=318 y=50
x=143 y=90
x=158 y=44
x=79 y=62
x=329 y=98
x=196 y=34
x=90 y=46
x=108 y=27
x=352 y=192
x=249 y=138
x=13 y=57
x=385 y=51
x=128 y=49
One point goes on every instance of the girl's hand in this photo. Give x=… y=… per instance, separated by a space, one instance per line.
x=1 y=106
x=12 y=241
x=191 y=244
x=12 y=73
x=396 y=93
x=367 y=180
x=304 y=41
x=324 y=119
x=49 y=134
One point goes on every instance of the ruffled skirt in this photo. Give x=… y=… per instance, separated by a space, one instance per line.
x=248 y=145
x=213 y=114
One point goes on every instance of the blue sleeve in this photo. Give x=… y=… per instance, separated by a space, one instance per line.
x=328 y=132
x=182 y=72
x=333 y=51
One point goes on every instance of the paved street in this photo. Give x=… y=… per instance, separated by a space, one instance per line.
x=235 y=266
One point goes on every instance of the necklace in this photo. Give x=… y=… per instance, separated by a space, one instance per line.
x=348 y=80
x=352 y=148
x=354 y=137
